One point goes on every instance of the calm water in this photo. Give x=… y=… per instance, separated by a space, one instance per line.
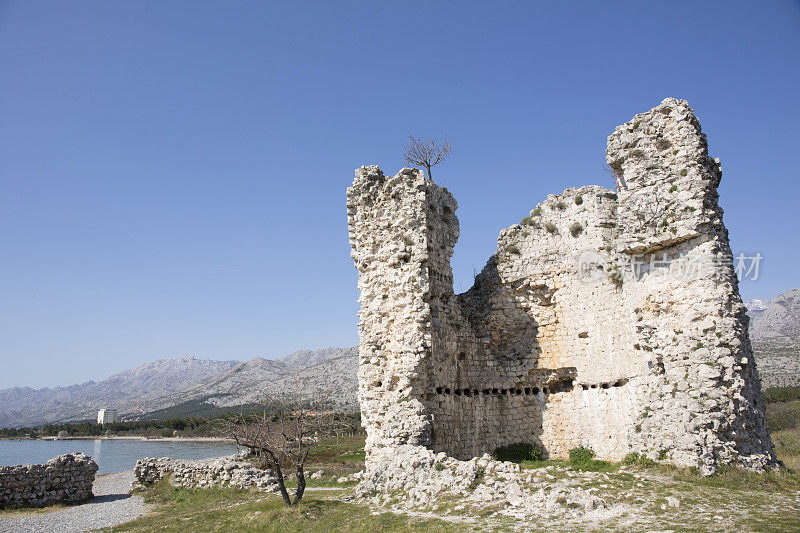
x=110 y=455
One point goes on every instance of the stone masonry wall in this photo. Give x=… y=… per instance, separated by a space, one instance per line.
x=67 y=478
x=608 y=319
x=214 y=472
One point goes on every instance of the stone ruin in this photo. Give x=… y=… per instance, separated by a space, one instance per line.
x=605 y=319
x=232 y=471
x=67 y=478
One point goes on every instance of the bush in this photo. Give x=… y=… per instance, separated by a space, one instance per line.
x=576 y=229
x=781 y=394
x=550 y=227
x=516 y=453
x=578 y=200
x=580 y=455
x=561 y=205
x=634 y=458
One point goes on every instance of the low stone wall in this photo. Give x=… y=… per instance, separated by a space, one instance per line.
x=67 y=478
x=216 y=472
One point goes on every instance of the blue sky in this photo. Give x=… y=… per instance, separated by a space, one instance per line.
x=174 y=173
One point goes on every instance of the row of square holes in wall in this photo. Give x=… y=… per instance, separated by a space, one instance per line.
x=494 y=392
x=527 y=391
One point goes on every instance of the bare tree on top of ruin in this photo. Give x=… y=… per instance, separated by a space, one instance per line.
x=423 y=152
x=283 y=433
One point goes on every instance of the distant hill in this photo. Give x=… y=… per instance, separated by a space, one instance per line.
x=329 y=373
x=187 y=386
x=775 y=335
x=127 y=391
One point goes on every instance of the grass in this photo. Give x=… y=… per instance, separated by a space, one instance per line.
x=783 y=415
x=208 y=510
x=33 y=510
x=580 y=459
x=787 y=447
x=783 y=419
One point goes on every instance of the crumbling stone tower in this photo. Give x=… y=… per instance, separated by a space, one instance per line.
x=605 y=319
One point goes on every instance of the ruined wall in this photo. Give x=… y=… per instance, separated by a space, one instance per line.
x=231 y=471
x=605 y=319
x=67 y=478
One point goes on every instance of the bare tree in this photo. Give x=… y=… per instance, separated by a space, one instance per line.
x=283 y=433
x=422 y=152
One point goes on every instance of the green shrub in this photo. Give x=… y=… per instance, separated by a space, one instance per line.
x=684 y=172
x=561 y=205
x=536 y=212
x=631 y=459
x=576 y=229
x=550 y=227
x=615 y=276
x=634 y=458
x=782 y=394
x=580 y=456
x=673 y=188
x=578 y=200
x=518 y=452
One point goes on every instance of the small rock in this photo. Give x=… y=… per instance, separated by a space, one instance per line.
x=673 y=502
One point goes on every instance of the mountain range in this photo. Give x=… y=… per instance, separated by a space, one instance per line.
x=24 y=406
x=775 y=335
x=184 y=386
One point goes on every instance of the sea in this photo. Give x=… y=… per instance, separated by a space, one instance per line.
x=111 y=455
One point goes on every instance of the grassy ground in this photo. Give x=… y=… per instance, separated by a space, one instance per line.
x=732 y=500
x=182 y=510
x=33 y=510
x=783 y=418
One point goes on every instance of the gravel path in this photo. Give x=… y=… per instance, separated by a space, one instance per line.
x=110 y=506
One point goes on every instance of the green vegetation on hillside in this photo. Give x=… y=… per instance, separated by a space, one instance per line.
x=781 y=394
x=193 y=426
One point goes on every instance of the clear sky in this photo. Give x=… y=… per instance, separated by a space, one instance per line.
x=173 y=172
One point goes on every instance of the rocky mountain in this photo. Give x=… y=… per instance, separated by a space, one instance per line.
x=329 y=373
x=756 y=308
x=775 y=335
x=127 y=391
x=188 y=386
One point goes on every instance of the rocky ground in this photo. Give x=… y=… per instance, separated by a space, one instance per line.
x=554 y=498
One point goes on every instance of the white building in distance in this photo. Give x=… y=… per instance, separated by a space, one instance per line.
x=106 y=416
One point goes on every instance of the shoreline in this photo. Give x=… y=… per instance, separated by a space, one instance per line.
x=133 y=437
